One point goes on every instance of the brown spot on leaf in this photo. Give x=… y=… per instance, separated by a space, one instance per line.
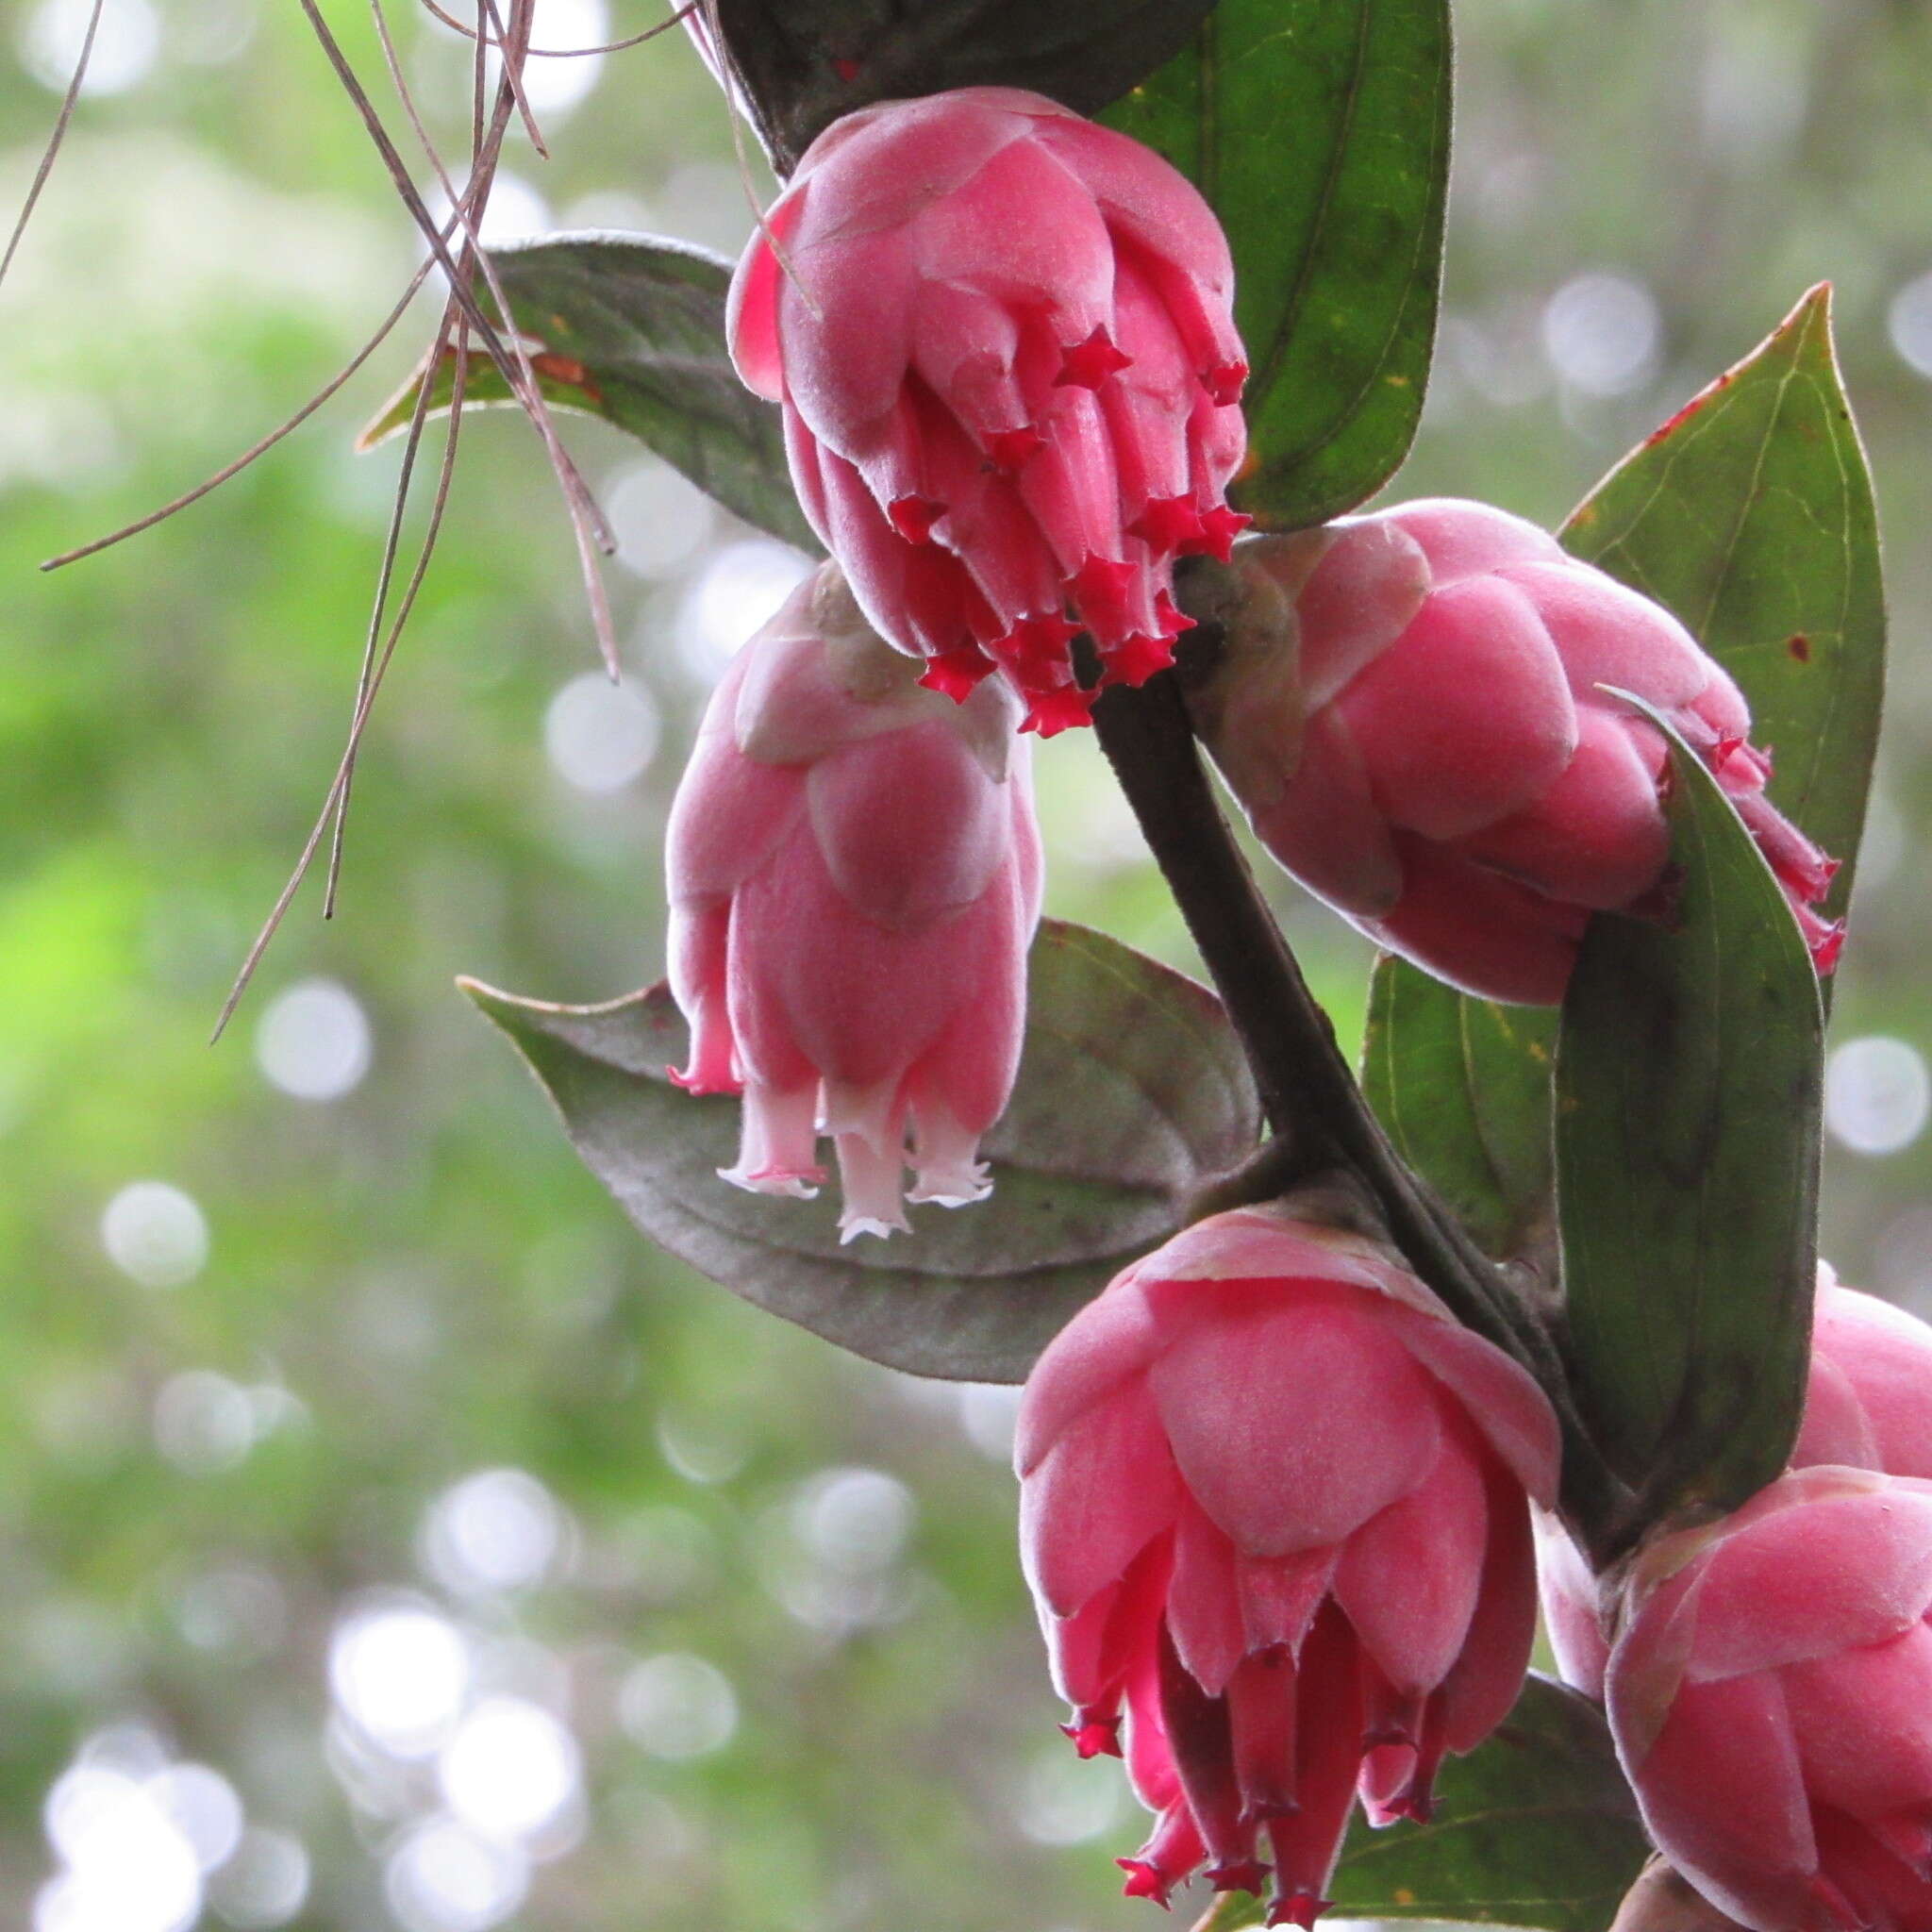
x=568 y=370
x=1800 y=647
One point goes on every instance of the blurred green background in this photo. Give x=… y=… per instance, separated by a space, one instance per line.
x=388 y=1538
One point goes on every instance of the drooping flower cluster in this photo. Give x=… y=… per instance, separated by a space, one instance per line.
x=1003 y=341
x=1274 y=1516
x=855 y=877
x=1414 y=726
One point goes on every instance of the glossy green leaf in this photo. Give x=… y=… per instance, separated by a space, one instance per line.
x=802 y=63
x=1132 y=1091
x=1319 y=130
x=1688 y=1090
x=1750 y=515
x=1533 y=1828
x=632 y=329
x=1463 y=1088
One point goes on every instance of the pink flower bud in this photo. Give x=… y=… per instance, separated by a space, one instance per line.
x=1869 y=1405
x=1003 y=341
x=1410 y=713
x=1771 y=1698
x=1272 y=1514
x=855 y=880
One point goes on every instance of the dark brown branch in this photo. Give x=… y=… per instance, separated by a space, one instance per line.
x=1310 y=1095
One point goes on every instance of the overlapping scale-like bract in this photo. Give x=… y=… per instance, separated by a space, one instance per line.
x=1415 y=721
x=1274 y=1516
x=855 y=879
x=1001 y=335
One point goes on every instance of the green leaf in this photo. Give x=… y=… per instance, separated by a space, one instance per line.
x=1319 y=130
x=802 y=63
x=1132 y=1091
x=1533 y=1828
x=1463 y=1088
x=632 y=329
x=1750 y=515
x=1688 y=1087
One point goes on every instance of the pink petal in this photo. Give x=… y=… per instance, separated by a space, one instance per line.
x=751 y=308
x=1110 y=1339
x=1467 y=717
x=1597 y=836
x=1368 y=587
x=910 y=826
x=1409 y=1580
x=1568 y=1595
x=1463 y=538
x=1724 y=1796
x=1812 y=1580
x=1885 y=1358
x=1486 y=1680
x=1293 y=1426
x=1327 y=827
x=1102 y=1492
x=1204 y=1605
x=1863 y=1724
x=1481 y=932
x=1835 y=1428
x=1499 y=1395
x=1606 y=633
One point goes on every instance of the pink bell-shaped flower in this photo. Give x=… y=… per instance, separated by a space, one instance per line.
x=1409 y=712
x=1771 y=1696
x=1272 y=1514
x=1868 y=1405
x=855 y=880
x=1003 y=341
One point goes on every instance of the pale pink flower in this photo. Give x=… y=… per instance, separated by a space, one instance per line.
x=1272 y=1514
x=1414 y=726
x=1003 y=341
x=855 y=879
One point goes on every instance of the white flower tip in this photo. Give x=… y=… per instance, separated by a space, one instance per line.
x=852 y=1226
x=952 y=1186
x=765 y=1180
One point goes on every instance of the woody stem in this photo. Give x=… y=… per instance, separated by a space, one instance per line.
x=1310 y=1096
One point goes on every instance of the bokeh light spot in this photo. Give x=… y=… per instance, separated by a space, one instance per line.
x=1877 y=1095
x=1909 y=322
x=659 y=518
x=313 y=1040
x=265 y=1884
x=678 y=1706
x=1601 y=333
x=496 y=1530
x=127 y=44
x=445 y=1878
x=511 y=1770
x=203 y=1422
x=740 y=589
x=155 y=1234
x=402 y=1674
x=600 y=736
